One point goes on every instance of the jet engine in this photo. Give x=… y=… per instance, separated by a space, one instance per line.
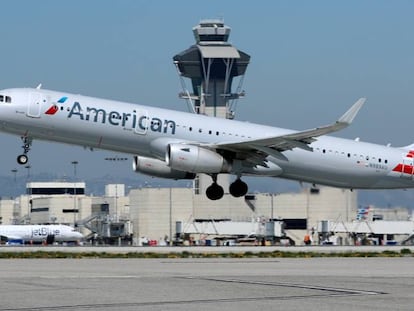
x=158 y=168
x=195 y=159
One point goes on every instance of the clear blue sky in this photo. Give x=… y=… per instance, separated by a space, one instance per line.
x=310 y=60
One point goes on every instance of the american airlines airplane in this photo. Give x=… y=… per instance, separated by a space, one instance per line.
x=178 y=145
x=38 y=233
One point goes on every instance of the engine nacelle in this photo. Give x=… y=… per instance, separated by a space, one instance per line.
x=195 y=159
x=158 y=168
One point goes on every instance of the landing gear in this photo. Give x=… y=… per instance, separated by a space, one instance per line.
x=23 y=158
x=214 y=191
x=238 y=188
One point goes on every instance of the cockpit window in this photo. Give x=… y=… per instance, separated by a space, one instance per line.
x=5 y=99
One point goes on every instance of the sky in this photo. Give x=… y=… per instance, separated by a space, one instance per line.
x=310 y=61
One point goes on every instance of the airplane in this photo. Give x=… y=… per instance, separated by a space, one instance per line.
x=21 y=234
x=178 y=145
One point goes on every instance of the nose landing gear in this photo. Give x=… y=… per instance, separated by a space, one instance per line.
x=23 y=158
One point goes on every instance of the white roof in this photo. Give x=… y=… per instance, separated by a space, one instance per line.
x=218 y=51
x=374 y=227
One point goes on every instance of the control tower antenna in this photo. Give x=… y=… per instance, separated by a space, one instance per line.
x=212 y=64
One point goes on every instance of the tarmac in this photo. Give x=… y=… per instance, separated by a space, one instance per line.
x=207 y=283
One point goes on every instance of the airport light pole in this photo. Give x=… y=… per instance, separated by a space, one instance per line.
x=116 y=158
x=170 y=207
x=28 y=167
x=14 y=171
x=74 y=163
x=271 y=207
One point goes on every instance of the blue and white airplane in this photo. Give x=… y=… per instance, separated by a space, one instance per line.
x=21 y=234
x=178 y=145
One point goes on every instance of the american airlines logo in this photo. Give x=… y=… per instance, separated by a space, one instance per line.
x=406 y=168
x=133 y=120
x=54 y=108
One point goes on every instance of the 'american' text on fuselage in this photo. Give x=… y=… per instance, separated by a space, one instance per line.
x=132 y=120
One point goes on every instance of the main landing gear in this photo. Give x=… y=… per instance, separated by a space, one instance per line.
x=238 y=188
x=23 y=158
x=214 y=191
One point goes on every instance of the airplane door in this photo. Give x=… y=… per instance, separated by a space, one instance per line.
x=34 y=105
x=407 y=167
x=142 y=122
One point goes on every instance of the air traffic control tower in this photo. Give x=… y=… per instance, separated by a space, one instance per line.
x=212 y=64
x=214 y=67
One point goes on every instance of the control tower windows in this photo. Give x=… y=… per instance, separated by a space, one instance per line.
x=209 y=37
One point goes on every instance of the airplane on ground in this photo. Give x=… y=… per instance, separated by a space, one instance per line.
x=21 y=234
x=179 y=145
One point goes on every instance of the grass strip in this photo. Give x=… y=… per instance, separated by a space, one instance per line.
x=185 y=254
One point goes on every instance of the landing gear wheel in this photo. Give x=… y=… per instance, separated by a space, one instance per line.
x=22 y=159
x=214 y=192
x=238 y=188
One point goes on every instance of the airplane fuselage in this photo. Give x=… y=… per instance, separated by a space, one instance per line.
x=39 y=233
x=147 y=131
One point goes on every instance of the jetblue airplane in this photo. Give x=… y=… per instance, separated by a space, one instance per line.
x=178 y=145
x=22 y=234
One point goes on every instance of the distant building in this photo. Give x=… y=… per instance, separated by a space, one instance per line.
x=155 y=212
x=7 y=211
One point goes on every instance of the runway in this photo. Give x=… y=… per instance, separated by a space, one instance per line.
x=207 y=284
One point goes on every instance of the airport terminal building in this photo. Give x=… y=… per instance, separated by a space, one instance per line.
x=160 y=216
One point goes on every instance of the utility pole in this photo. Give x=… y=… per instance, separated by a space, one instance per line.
x=14 y=171
x=116 y=159
x=74 y=163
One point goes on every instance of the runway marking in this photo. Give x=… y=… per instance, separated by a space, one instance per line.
x=345 y=291
x=326 y=292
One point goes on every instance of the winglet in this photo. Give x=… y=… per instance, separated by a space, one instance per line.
x=349 y=116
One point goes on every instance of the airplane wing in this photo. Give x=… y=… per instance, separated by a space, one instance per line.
x=276 y=144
